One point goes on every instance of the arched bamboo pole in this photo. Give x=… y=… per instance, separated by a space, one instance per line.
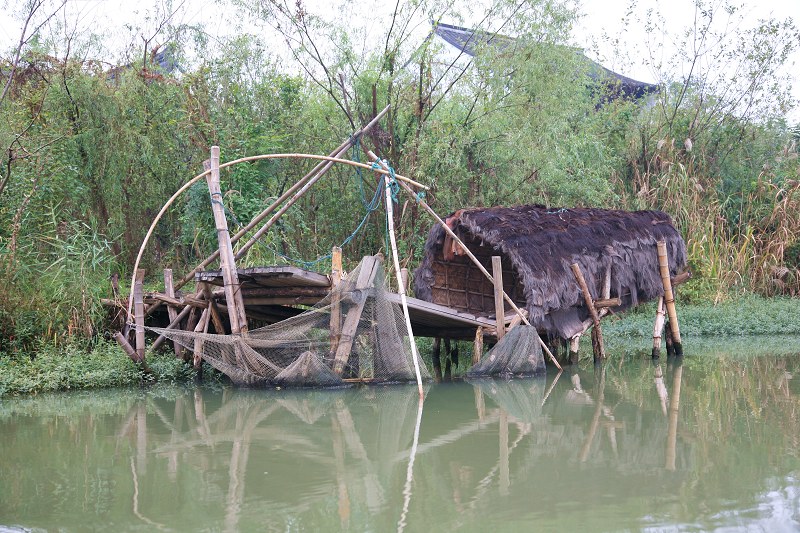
x=245 y=160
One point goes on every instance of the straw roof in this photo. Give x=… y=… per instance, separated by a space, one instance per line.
x=538 y=245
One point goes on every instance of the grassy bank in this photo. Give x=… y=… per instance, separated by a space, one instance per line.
x=74 y=368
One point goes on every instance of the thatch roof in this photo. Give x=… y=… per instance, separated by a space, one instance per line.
x=538 y=245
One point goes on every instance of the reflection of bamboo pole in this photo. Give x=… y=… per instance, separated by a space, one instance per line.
x=141 y=438
x=661 y=389
x=598 y=410
x=341 y=471
x=672 y=428
x=669 y=300
x=480 y=405
x=552 y=386
x=236 y=471
x=410 y=472
x=505 y=476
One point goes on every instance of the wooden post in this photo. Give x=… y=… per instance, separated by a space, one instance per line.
x=436 y=359
x=574 y=346
x=478 y=346
x=499 y=304
x=336 y=304
x=669 y=300
x=216 y=319
x=404 y=277
x=138 y=310
x=169 y=290
x=233 y=293
x=658 y=327
x=202 y=327
x=597 y=335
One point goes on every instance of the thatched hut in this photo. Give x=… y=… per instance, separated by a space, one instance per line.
x=615 y=249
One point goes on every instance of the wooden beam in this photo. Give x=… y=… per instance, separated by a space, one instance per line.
x=169 y=289
x=597 y=334
x=669 y=300
x=337 y=272
x=138 y=310
x=233 y=295
x=607 y=302
x=499 y=304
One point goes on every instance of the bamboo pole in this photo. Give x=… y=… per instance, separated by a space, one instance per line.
x=597 y=335
x=169 y=289
x=138 y=303
x=669 y=300
x=233 y=295
x=469 y=254
x=477 y=349
x=499 y=304
x=336 y=304
x=400 y=285
x=658 y=327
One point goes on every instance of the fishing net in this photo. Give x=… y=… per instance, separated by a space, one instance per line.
x=355 y=333
x=518 y=353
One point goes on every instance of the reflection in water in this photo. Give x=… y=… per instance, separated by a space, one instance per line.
x=701 y=443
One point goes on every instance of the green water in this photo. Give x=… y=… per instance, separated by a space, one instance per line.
x=709 y=444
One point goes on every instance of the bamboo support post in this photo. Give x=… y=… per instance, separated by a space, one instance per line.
x=477 y=351
x=233 y=295
x=169 y=290
x=658 y=327
x=138 y=306
x=405 y=278
x=597 y=334
x=499 y=304
x=669 y=300
x=436 y=359
x=469 y=254
x=336 y=304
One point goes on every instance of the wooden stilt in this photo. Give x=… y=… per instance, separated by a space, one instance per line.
x=478 y=346
x=499 y=304
x=574 y=345
x=448 y=360
x=436 y=360
x=202 y=327
x=336 y=304
x=658 y=327
x=233 y=294
x=404 y=276
x=216 y=318
x=597 y=334
x=138 y=310
x=169 y=290
x=669 y=300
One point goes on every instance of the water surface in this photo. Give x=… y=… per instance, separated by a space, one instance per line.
x=707 y=443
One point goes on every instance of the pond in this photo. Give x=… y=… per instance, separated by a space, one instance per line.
x=704 y=443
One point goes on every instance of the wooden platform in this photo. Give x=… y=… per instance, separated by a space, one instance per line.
x=268 y=289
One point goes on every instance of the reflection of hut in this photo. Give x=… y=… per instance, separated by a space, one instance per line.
x=616 y=250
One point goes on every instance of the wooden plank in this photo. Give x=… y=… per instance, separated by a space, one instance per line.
x=499 y=304
x=270 y=276
x=233 y=296
x=138 y=311
x=336 y=305
x=169 y=289
x=365 y=279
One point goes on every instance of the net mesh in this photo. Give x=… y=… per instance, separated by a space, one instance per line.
x=518 y=353
x=354 y=333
